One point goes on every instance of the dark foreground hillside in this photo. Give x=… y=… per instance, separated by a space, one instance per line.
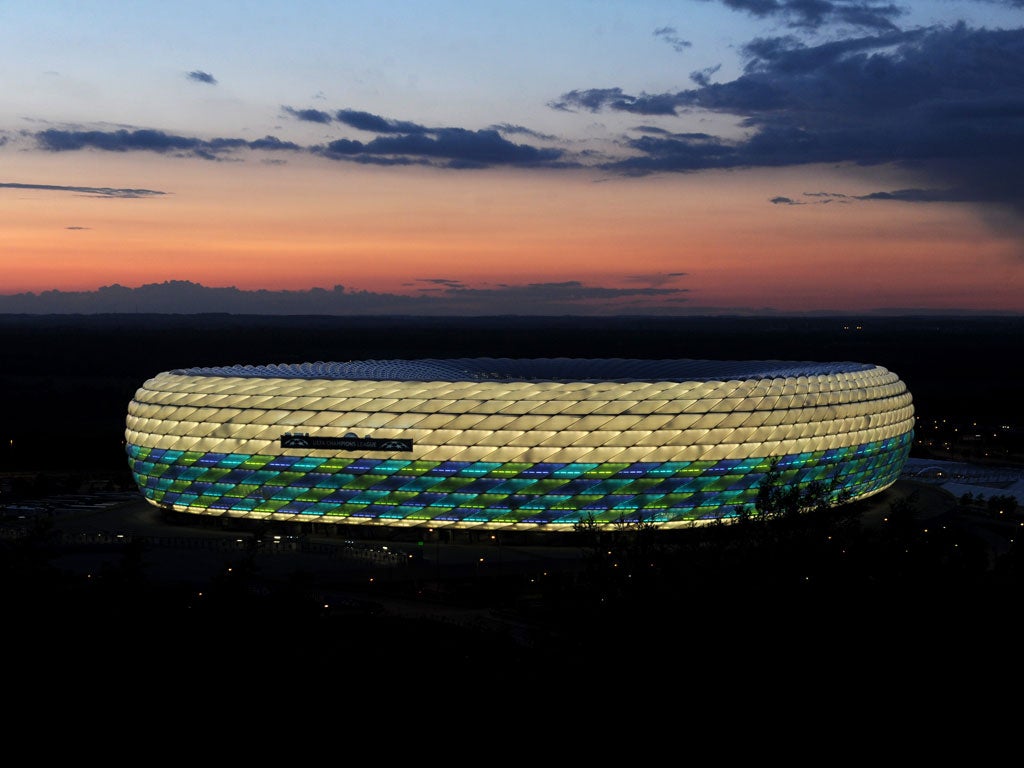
x=907 y=585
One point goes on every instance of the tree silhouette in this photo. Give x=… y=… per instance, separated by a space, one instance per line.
x=778 y=501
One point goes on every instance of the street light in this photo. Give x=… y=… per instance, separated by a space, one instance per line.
x=437 y=555
x=497 y=539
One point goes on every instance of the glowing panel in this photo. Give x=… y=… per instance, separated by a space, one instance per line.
x=500 y=443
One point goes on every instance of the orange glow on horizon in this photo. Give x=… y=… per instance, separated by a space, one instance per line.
x=299 y=226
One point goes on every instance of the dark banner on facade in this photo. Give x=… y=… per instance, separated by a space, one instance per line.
x=346 y=443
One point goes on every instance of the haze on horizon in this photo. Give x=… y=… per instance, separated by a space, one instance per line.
x=702 y=156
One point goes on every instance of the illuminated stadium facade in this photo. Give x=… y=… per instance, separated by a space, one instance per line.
x=529 y=444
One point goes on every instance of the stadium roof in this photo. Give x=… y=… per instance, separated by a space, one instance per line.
x=535 y=369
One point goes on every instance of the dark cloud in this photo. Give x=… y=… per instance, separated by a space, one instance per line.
x=702 y=77
x=450 y=298
x=686 y=136
x=442 y=281
x=97 y=191
x=454 y=147
x=202 y=77
x=145 y=140
x=946 y=104
x=77 y=228
x=905 y=195
x=272 y=143
x=400 y=142
x=57 y=140
x=308 y=115
x=654 y=279
x=678 y=153
x=441 y=147
x=522 y=131
x=812 y=14
x=345 y=147
x=596 y=99
x=366 y=121
x=463 y=146
x=668 y=34
x=898 y=195
x=930 y=196
x=564 y=294
x=357 y=152
x=223 y=145
x=653 y=129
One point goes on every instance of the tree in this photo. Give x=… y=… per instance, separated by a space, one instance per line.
x=1002 y=505
x=903 y=517
x=776 y=501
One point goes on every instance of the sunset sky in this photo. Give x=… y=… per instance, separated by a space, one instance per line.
x=568 y=157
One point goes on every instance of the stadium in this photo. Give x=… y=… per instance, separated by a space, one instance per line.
x=511 y=444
